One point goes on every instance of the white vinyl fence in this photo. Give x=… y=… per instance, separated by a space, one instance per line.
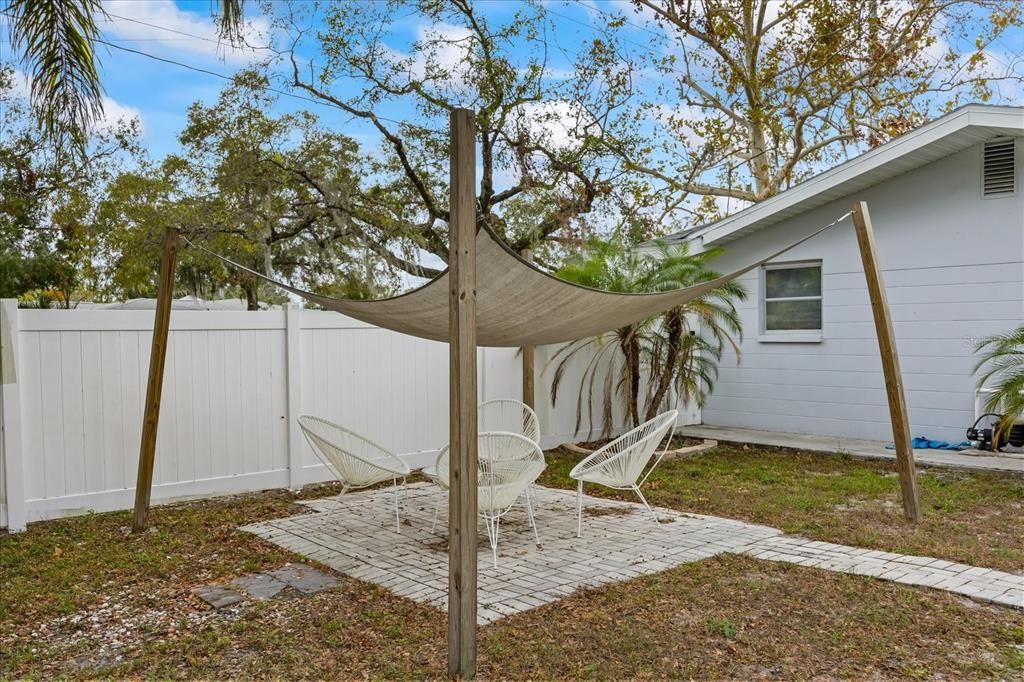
x=73 y=384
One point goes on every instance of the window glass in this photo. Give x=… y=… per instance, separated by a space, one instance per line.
x=792 y=298
x=792 y=315
x=789 y=282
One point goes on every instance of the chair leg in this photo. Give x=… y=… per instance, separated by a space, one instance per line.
x=398 y=492
x=494 y=545
x=492 y=537
x=437 y=508
x=487 y=527
x=334 y=506
x=579 y=509
x=643 y=499
x=533 y=519
x=529 y=503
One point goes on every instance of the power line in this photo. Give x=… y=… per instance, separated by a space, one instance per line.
x=219 y=43
x=183 y=33
x=222 y=76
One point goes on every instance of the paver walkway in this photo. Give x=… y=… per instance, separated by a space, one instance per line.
x=620 y=541
x=856 y=447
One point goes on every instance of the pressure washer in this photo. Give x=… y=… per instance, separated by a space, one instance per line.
x=989 y=437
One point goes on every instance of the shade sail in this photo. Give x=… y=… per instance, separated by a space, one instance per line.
x=517 y=303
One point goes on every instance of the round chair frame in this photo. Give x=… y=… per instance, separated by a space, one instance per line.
x=495 y=499
x=621 y=464
x=354 y=471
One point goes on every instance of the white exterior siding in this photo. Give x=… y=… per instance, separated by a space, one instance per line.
x=953 y=266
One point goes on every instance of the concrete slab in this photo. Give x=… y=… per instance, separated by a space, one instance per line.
x=259 y=586
x=305 y=579
x=866 y=449
x=218 y=596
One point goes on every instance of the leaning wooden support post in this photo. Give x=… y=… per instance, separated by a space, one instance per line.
x=529 y=396
x=529 y=390
x=462 y=493
x=890 y=362
x=155 y=382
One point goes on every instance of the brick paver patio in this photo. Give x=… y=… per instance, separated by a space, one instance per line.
x=620 y=541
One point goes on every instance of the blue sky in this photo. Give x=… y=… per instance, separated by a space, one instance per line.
x=159 y=93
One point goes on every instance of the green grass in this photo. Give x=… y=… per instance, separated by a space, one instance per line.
x=971 y=517
x=721 y=626
x=82 y=598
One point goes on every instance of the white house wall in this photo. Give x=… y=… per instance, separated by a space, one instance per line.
x=953 y=265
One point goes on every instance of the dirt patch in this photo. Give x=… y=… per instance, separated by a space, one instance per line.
x=440 y=545
x=885 y=506
x=608 y=511
x=677 y=443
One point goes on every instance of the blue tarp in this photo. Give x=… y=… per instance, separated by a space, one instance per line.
x=922 y=443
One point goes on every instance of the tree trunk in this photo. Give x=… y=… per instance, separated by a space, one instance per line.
x=251 y=289
x=631 y=351
x=760 y=168
x=674 y=329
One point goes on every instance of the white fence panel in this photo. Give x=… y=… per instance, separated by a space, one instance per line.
x=234 y=383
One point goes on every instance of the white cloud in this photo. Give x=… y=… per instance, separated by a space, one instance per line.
x=19 y=85
x=113 y=111
x=445 y=49
x=682 y=119
x=162 y=22
x=558 y=124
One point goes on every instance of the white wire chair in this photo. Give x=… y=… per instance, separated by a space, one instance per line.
x=620 y=464
x=512 y=416
x=356 y=461
x=507 y=463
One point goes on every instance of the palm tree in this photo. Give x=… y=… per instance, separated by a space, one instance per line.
x=667 y=349
x=679 y=357
x=55 y=40
x=1002 y=367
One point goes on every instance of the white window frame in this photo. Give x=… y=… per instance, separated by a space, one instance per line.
x=789 y=335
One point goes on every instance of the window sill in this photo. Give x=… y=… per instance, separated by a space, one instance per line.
x=802 y=337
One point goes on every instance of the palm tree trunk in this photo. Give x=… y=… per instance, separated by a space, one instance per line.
x=630 y=346
x=673 y=321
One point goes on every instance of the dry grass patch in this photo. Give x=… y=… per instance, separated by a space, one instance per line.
x=84 y=599
x=734 y=617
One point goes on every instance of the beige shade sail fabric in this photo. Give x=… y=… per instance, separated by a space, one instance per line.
x=517 y=303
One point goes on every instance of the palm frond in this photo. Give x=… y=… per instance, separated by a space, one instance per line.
x=1001 y=366
x=661 y=349
x=231 y=19
x=55 y=41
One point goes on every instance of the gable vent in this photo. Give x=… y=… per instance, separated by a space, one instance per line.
x=1000 y=169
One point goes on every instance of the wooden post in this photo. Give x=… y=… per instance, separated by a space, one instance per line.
x=155 y=382
x=529 y=396
x=890 y=362
x=462 y=492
